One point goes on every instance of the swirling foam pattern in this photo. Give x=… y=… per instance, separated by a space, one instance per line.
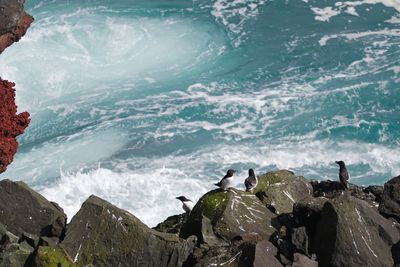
x=141 y=101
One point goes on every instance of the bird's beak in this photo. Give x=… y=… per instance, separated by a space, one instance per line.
x=337 y=162
x=177 y=197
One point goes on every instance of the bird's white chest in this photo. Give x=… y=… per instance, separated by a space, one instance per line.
x=187 y=206
x=226 y=183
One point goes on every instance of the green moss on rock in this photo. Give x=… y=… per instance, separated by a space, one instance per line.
x=271 y=178
x=213 y=205
x=53 y=257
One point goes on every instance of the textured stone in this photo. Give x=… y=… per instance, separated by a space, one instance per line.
x=104 y=235
x=24 y=210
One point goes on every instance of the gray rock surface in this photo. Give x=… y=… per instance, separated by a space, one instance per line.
x=24 y=210
x=104 y=235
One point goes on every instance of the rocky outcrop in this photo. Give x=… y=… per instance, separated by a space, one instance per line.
x=228 y=215
x=390 y=204
x=233 y=228
x=25 y=211
x=13 y=24
x=279 y=190
x=351 y=233
x=104 y=235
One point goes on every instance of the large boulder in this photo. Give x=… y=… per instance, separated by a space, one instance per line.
x=25 y=211
x=104 y=235
x=390 y=203
x=351 y=233
x=228 y=214
x=279 y=190
x=14 y=22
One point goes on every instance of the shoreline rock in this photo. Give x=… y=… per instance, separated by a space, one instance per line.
x=14 y=22
x=232 y=227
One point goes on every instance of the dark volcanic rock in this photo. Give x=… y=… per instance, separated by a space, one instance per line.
x=231 y=213
x=14 y=22
x=352 y=233
x=390 y=204
x=172 y=224
x=24 y=210
x=104 y=235
x=279 y=190
x=376 y=191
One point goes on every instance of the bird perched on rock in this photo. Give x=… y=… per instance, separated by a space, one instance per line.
x=187 y=204
x=226 y=181
x=343 y=174
x=251 y=181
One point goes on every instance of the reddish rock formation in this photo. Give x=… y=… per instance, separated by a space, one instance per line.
x=14 y=23
x=11 y=124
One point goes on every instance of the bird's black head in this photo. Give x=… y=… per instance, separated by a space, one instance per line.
x=340 y=163
x=230 y=172
x=182 y=198
x=251 y=172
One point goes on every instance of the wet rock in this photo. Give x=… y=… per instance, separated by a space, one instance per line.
x=25 y=211
x=390 y=204
x=279 y=190
x=352 y=233
x=104 y=235
x=231 y=213
x=172 y=224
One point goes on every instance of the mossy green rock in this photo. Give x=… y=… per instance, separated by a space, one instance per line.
x=279 y=190
x=232 y=213
x=53 y=257
x=104 y=235
x=352 y=233
x=24 y=210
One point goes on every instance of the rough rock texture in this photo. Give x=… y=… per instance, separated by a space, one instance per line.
x=172 y=224
x=279 y=190
x=104 y=235
x=52 y=257
x=390 y=204
x=11 y=124
x=24 y=210
x=14 y=22
x=352 y=233
x=229 y=214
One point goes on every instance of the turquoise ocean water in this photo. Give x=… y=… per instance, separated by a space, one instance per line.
x=141 y=101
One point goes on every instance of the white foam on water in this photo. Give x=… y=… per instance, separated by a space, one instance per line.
x=233 y=14
x=147 y=187
x=357 y=35
x=326 y=13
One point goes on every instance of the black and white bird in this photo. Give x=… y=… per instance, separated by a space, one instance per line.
x=226 y=181
x=187 y=204
x=251 y=181
x=343 y=174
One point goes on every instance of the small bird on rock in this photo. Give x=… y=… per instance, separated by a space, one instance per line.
x=343 y=174
x=187 y=204
x=251 y=181
x=226 y=181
